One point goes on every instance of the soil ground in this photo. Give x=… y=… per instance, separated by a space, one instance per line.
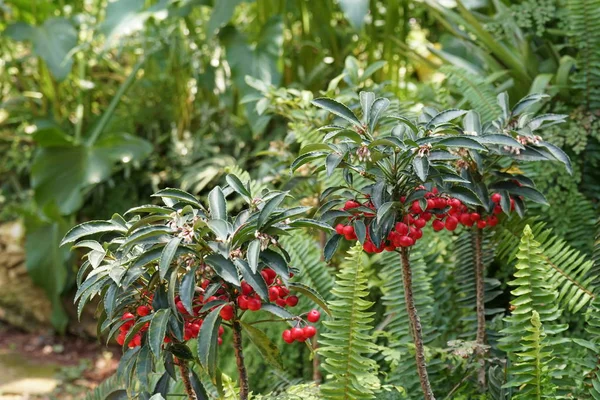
x=50 y=367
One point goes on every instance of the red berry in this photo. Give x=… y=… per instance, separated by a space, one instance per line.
x=454 y=203
x=406 y=241
x=431 y=203
x=221 y=330
x=313 y=316
x=497 y=210
x=270 y=273
x=267 y=277
x=283 y=291
x=280 y=302
x=254 y=304
x=137 y=340
x=121 y=338
x=298 y=334
x=339 y=228
x=492 y=220
x=390 y=247
x=127 y=315
x=437 y=225
x=451 y=223
x=243 y=302
x=475 y=217
x=512 y=204
x=220 y=341
x=351 y=204
x=291 y=301
x=401 y=228
x=420 y=223
x=287 y=336
x=465 y=219
x=348 y=230
x=195 y=328
x=142 y=311
x=426 y=216
x=496 y=197
x=246 y=289
x=481 y=224
x=226 y=312
x=416 y=233
x=273 y=293
x=181 y=307
x=416 y=207
x=309 y=331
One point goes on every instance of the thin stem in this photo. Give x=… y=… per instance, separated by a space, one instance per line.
x=480 y=296
x=415 y=324
x=185 y=377
x=239 y=358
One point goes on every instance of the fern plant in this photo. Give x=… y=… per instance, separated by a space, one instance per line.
x=535 y=303
x=347 y=344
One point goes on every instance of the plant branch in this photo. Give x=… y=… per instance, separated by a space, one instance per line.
x=415 y=324
x=239 y=358
x=185 y=377
x=480 y=301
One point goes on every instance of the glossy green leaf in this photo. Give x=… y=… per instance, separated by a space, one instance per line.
x=217 y=204
x=178 y=195
x=254 y=254
x=331 y=246
x=269 y=207
x=253 y=278
x=236 y=184
x=167 y=256
x=90 y=228
x=306 y=158
x=445 y=116
x=421 y=167
x=207 y=340
x=377 y=110
x=157 y=331
x=276 y=262
x=187 y=289
x=338 y=109
x=224 y=268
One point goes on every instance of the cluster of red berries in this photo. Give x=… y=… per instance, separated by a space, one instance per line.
x=445 y=212
x=245 y=299
x=298 y=334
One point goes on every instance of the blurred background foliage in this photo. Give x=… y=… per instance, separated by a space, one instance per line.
x=104 y=102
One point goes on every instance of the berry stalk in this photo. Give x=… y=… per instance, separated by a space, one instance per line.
x=480 y=296
x=415 y=324
x=239 y=358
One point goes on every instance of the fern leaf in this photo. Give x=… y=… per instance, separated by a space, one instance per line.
x=306 y=256
x=535 y=302
x=347 y=344
x=584 y=18
x=569 y=270
x=476 y=91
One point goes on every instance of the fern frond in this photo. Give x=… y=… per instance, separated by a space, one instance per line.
x=592 y=327
x=531 y=368
x=305 y=255
x=347 y=344
x=584 y=18
x=570 y=271
x=476 y=91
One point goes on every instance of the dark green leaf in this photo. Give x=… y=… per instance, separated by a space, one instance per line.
x=462 y=141
x=332 y=161
x=224 y=268
x=338 y=109
x=498 y=139
x=421 y=167
x=178 y=195
x=277 y=311
x=527 y=101
x=377 y=109
x=445 y=116
x=167 y=256
x=207 y=340
x=331 y=246
x=198 y=387
x=157 y=331
x=254 y=254
x=253 y=278
x=236 y=184
x=162 y=385
x=144 y=366
x=276 y=262
x=310 y=223
x=181 y=351
x=361 y=230
x=217 y=204
x=90 y=228
x=188 y=289
x=269 y=207
x=472 y=122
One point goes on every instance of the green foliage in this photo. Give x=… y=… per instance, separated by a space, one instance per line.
x=347 y=345
x=534 y=304
x=567 y=269
x=583 y=17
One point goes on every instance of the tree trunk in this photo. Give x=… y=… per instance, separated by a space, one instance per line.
x=185 y=376
x=239 y=358
x=480 y=296
x=415 y=324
